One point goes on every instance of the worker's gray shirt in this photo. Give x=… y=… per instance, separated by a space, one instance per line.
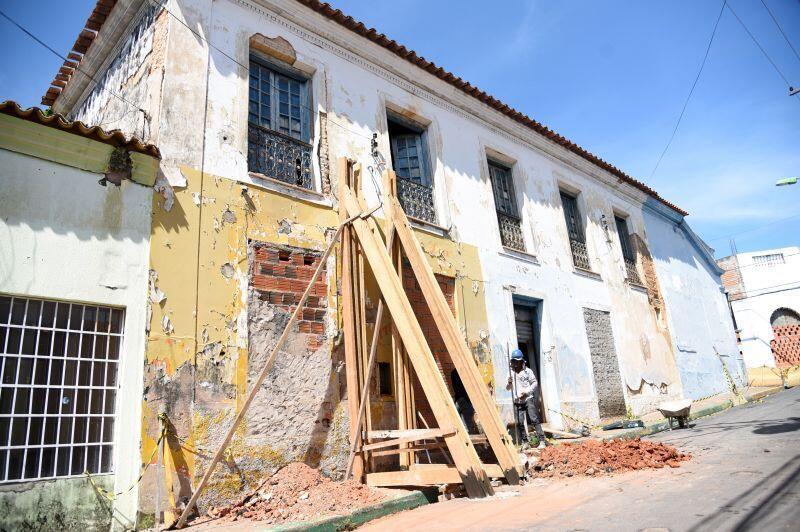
x=523 y=383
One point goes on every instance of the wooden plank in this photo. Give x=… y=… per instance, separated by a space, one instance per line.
x=414 y=477
x=415 y=448
x=463 y=452
x=457 y=348
x=425 y=475
x=492 y=470
x=564 y=434
x=432 y=434
x=373 y=352
x=384 y=434
x=348 y=322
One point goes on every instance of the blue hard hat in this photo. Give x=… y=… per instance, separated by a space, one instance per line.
x=516 y=354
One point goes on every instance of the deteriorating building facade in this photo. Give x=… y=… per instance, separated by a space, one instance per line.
x=536 y=243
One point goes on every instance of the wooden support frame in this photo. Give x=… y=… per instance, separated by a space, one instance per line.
x=369 y=251
x=459 y=351
x=463 y=452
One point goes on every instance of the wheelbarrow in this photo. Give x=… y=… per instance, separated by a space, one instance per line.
x=678 y=410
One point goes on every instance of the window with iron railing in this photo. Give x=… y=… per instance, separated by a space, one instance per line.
x=410 y=163
x=505 y=204
x=279 y=126
x=575 y=230
x=628 y=253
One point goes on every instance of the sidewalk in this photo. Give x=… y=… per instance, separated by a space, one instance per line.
x=655 y=422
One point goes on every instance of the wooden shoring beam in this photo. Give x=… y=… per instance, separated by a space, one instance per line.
x=429 y=435
x=456 y=346
x=426 y=475
x=463 y=452
x=348 y=321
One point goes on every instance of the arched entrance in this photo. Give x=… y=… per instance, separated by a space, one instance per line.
x=786 y=345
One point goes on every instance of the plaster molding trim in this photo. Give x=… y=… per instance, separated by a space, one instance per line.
x=335 y=41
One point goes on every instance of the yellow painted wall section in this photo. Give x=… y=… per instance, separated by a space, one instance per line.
x=203 y=351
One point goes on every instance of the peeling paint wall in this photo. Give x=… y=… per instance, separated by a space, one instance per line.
x=696 y=308
x=130 y=79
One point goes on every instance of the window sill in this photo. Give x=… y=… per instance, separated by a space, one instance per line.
x=636 y=286
x=428 y=227
x=520 y=255
x=586 y=273
x=274 y=185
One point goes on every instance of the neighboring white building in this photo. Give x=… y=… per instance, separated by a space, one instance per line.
x=74 y=255
x=764 y=289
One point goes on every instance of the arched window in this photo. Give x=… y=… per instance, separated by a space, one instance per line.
x=784 y=316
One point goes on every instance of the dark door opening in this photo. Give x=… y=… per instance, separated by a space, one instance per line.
x=526 y=320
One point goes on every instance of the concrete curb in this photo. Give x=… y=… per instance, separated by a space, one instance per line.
x=662 y=426
x=359 y=517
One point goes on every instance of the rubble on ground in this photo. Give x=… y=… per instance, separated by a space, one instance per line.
x=298 y=492
x=597 y=457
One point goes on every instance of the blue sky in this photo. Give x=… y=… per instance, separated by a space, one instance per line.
x=611 y=76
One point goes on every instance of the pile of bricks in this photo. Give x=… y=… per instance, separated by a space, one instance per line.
x=786 y=346
x=281 y=274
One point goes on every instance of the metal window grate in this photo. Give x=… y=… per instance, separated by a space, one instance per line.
x=577 y=237
x=506 y=206
x=58 y=385
x=279 y=157
x=631 y=272
x=628 y=254
x=416 y=200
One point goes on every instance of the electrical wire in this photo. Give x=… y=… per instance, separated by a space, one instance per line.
x=780 y=29
x=691 y=91
x=763 y=51
x=77 y=67
x=752 y=228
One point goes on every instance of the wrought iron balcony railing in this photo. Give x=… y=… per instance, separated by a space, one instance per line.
x=511 y=231
x=417 y=200
x=279 y=156
x=632 y=272
x=580 y=255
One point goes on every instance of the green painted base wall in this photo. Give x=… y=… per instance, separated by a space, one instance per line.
x=61 y=504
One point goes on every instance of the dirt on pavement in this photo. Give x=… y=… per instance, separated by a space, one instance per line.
x=297 y=492
x=597 y=457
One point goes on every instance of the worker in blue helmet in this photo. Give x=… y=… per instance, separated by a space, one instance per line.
x=525 y=390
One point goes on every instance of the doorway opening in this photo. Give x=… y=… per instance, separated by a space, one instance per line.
x=527 y=319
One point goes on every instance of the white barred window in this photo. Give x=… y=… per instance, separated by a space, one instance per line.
x=58 y=385
x=769 y=260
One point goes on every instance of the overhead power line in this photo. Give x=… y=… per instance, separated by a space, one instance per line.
x=691 y=91
x=780 y=29
x=78 y=68
x=763 y=51
x=753 y=228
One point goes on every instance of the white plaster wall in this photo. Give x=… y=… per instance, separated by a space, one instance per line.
x=699 y=317
x=767 y=288
x=354 y=82
x=63 y=236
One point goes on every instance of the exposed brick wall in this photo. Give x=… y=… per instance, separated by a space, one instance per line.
x=732 y=278
x=280 y=275
x=605 y=366
x=443 y=360
x=786 y=346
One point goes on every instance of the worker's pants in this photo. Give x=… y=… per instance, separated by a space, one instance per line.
x=467 y=413
x=530 y=408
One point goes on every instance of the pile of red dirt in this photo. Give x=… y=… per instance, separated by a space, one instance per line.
x=595 y=457
x=298 y=493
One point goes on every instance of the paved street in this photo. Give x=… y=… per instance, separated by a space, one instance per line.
x=744 y=475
